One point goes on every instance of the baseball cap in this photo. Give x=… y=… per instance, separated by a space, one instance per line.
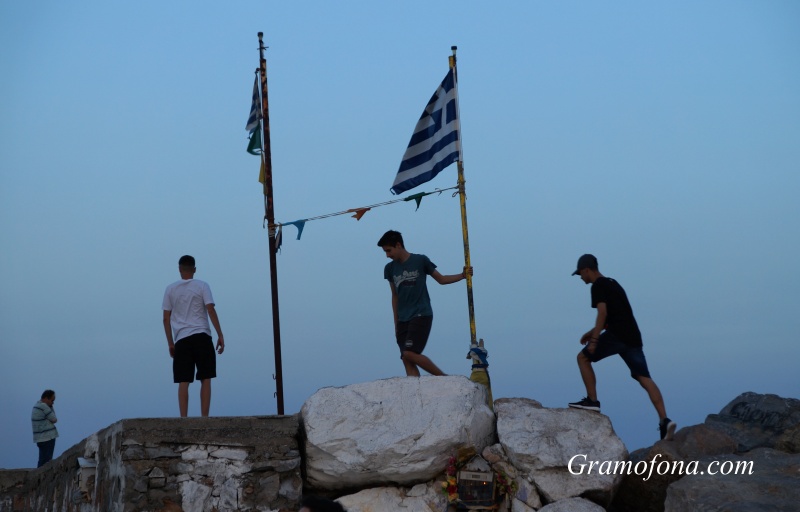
x=585 y=261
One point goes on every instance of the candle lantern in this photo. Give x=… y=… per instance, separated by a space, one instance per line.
x=476 y=488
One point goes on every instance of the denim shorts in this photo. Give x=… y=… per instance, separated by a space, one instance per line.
x=608 y=345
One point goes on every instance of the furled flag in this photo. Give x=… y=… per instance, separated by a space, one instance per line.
x=435 y=143
x=254 y=123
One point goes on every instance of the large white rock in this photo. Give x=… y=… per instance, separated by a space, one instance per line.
x=540 y=442
x=421 y=498
x=400 y=430
x=573 y=505
x=518 y=506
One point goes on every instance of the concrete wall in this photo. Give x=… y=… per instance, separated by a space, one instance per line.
x=169 y=465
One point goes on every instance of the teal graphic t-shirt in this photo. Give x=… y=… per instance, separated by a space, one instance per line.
x=408 y=279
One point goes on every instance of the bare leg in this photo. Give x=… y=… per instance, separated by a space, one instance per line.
x=655 y=395
x=412 y=361
x=587 y=374
x=183 y=398
x=205 y=397
x=411 y=368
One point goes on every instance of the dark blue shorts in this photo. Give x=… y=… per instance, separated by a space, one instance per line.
x=413 y=335
x=608 y=345
x=195 y=351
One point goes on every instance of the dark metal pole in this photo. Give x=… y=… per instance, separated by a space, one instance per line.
x=270 y=216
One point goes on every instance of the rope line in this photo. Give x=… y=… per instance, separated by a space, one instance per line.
x=414 y=197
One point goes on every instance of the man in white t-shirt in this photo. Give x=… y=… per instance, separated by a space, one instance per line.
x=188 y=305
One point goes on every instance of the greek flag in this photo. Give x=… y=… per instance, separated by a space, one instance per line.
x=255 y=110
x=435 y=143
x=254 y=123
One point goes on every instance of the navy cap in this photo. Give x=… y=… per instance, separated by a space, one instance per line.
x=586 y=261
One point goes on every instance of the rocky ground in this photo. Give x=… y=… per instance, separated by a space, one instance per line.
x=385 y=445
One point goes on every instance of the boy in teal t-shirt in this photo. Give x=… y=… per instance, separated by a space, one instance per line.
x=411 y=304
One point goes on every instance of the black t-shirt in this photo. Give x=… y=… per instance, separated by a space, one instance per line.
x=620 y=320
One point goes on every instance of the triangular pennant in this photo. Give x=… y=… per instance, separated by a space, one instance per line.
x=359 y=212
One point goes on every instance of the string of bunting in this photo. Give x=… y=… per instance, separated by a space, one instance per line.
x=357 y=213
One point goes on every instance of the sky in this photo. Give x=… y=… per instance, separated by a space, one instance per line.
x=662 y=137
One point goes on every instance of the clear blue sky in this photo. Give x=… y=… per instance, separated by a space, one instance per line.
x=662 y=137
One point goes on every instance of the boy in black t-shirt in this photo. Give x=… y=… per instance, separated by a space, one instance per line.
x=615 y=332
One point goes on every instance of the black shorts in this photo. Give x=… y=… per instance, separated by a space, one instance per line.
x=413 y=335
x=193 y=351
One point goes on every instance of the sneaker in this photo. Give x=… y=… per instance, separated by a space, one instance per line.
x=667 y=429
x=586 y=403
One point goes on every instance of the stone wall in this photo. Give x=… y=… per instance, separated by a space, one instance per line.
x=169 y=465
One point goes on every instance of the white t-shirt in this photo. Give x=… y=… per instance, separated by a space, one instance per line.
x=187 y=300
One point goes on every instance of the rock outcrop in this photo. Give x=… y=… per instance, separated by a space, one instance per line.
x=540 y=444
x=647 y=493
x=749 y=423
x=573 y=505
x=403 y=431
x=387 y=446
x=421 y=497
x=769 y=480
x=400 y=431
x=756 y=421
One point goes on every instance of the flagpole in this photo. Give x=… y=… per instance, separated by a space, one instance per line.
x=266 y=156
x=462 y=194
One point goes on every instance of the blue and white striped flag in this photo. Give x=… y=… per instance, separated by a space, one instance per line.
x=254 y=123
x=435 y=143
x=255 y=110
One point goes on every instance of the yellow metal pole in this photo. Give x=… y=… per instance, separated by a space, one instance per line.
x=480 y=366
x=462 y=195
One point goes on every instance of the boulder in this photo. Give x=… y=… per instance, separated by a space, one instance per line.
x=553 y=448
x=420 y=498
x=517 y=506
x=697 y=441
x=789 y=441
x=572 y=505
x=755 y=420
x=526 y=497
x=646 y=493
x=401 y=430
x=773 y=484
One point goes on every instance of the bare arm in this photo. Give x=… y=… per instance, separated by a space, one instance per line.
x=452 y=278
x=593 y=334
x=394 y=303
x=212 y=315
x=168 y=332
